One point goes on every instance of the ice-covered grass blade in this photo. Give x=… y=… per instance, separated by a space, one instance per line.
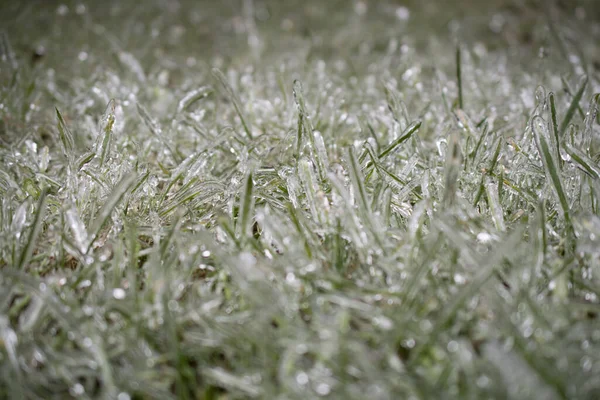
x=234 y=99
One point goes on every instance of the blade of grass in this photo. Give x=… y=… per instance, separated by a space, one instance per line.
x=245 y=210
x=554 y=124
x=115 y=197
x=459 y=77
x=488 y=171
x=585 y=163
x=572 y=108
x=547 y=154
x=305 y=126
x=410 y=130
x=494 y=204
x=193 y=96
x=35 y=230
x=453 y=168
x=234 y=99
x=156 y=130
x=396 y=106
x=104 y=136
x=307 y=177
x=357 y=179
x=66 y=137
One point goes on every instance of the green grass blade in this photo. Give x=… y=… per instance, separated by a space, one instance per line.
x=459 y=78
x=553 y=175
x=305 y=127
x=554 y=124
x=36 y=228
x=488 y=171
x=234 y=99
x=115 y=197
x=106 y=129
x=453 y=168
x=193 y=96
x=495 y=205
x=307 y=177
x=585 y=163
x=156 y=130
x=357 y=179
x=66 y=137
x=572 y=108
x=246 y=209
x=409 y=131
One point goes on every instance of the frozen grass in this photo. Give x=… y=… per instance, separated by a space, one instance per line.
x=293 y=200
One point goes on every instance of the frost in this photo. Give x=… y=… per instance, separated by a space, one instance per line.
x=280 y=200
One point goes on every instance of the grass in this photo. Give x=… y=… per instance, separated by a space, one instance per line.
x=292 y=200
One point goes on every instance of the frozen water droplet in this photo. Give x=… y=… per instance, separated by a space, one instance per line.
x=383 y=322
x=290 y=277
x=586 y=364
x=62 y=10
x=459 y=279
x=119 y=293
x=323 y=389
x=402 y=13
x=77 y=389
x=483 y=381
x=452 y=346
x=484 y=237
x=302 y=378
x=123 y=396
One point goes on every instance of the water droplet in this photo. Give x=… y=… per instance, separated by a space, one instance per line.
x=452 y=346
x=77 y=389
x=483 y=381
x=88 y=310
x=290 y=277
x=402 y=13
x=123 y=396
x=459 y=279
x=323 y=389
x=586 y=363
x=62 y=10
x=484 y=237
x=302 y=378
x=119 y=293
x=84 y=284
x=383 y=322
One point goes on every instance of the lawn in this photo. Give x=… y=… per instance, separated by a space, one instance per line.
x=300 y=199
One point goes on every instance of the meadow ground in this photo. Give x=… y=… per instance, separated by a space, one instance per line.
x=299 y=199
